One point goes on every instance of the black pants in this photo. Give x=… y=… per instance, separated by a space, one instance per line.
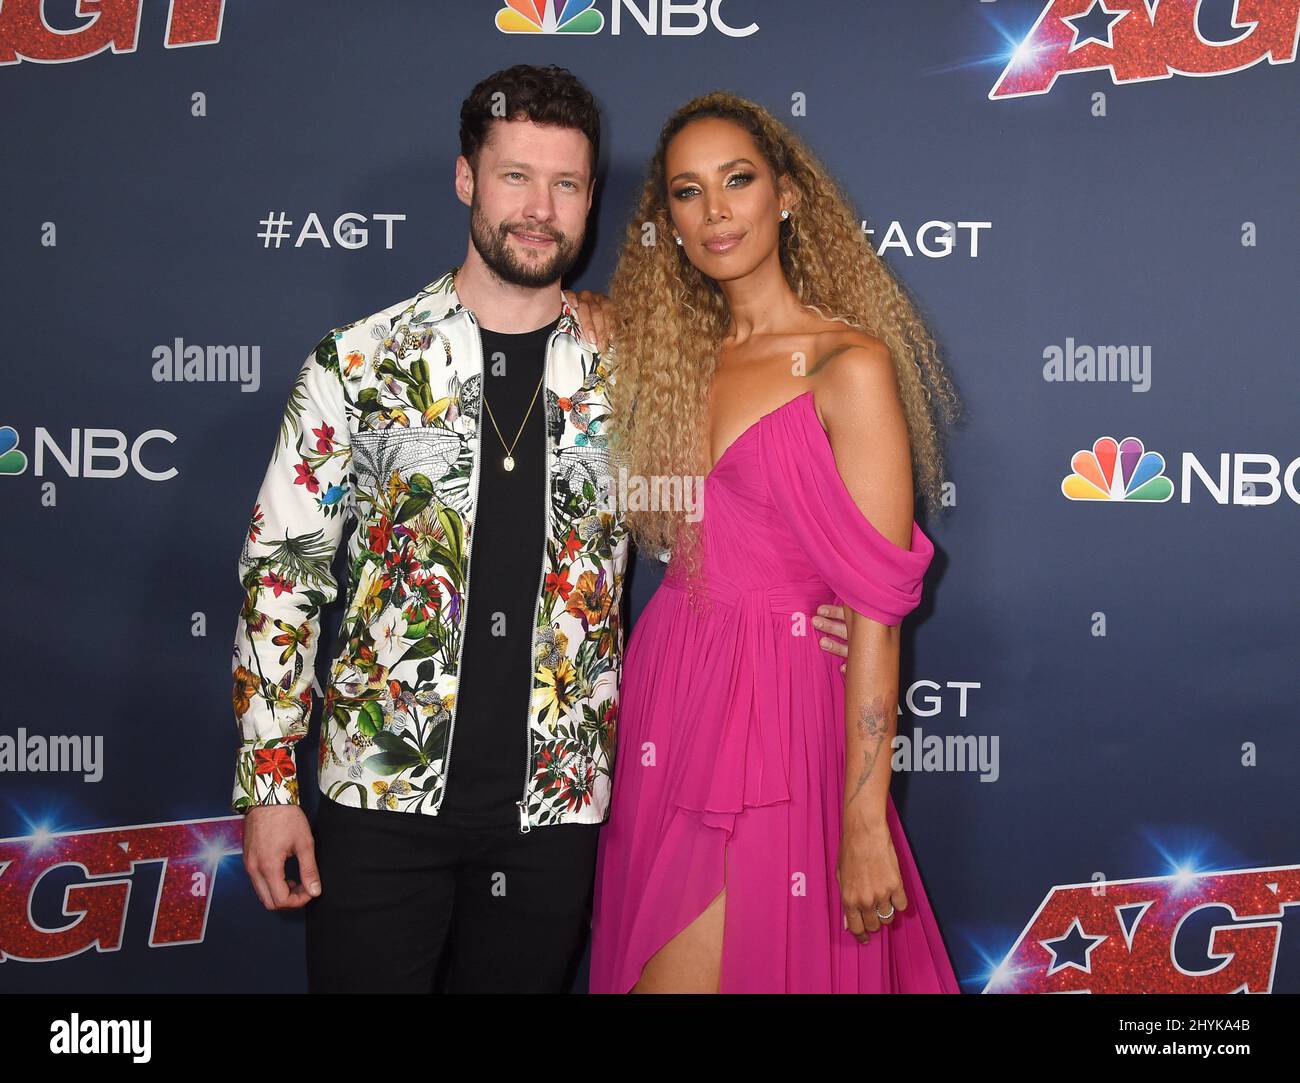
x=409 y=904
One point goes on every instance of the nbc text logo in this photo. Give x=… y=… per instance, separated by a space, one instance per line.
x=670 y=18
x=83 y=457
x=1124 y=471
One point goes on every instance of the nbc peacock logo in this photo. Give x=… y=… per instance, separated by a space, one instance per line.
x=1118 y=470
x=12 y=461
x=550 y=17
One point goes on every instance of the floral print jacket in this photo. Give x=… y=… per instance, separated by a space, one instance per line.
x=382 y=428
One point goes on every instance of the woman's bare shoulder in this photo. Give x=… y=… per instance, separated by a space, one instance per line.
x=835 y=341
x=849 y=363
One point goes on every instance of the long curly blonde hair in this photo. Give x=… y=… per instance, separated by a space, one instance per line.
x=670 y=319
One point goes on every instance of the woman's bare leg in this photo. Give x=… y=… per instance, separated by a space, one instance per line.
x=691 y=962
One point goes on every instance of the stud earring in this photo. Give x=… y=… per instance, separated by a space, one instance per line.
x=785 y=214
x=679 y=240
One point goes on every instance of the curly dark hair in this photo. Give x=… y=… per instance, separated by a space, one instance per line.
x=549 y=95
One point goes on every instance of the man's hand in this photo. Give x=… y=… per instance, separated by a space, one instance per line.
x=594 y=313
x=830 y=621
x=272 y=834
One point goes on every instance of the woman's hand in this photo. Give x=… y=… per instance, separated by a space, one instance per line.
x=867 y=870
x=835 y=638
x=595 y=314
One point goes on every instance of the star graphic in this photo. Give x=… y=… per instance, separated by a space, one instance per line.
x=1095 y=24
x=1073 y=946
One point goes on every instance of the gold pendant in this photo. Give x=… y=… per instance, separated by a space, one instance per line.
x=509 y=462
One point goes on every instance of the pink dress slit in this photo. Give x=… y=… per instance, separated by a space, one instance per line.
x=730 y=762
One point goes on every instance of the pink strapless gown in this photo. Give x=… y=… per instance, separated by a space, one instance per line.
x=730 y=762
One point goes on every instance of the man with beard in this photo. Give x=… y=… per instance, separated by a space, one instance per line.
x=467 y=736
x=424 y=875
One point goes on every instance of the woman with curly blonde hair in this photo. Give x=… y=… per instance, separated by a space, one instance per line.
x=766 y=354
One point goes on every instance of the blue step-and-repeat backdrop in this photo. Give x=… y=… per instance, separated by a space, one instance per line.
x=1094 y=204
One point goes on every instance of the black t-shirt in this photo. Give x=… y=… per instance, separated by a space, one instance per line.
x=489 y=749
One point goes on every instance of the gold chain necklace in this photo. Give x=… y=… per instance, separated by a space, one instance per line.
x=509 y=461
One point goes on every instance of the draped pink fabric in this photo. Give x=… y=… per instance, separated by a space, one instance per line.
x=730 y=762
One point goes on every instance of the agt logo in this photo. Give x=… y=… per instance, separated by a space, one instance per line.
x=1210 y=932
x=85 y=458
x=1123 y=470
x=1141 y=40
x=111 y=24
x=88 y=876
x=666 y=17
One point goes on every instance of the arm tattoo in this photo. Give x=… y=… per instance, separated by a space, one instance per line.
x=873 y=725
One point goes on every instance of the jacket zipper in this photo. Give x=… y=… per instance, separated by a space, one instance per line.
x=469 y=563
x=541 y=579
